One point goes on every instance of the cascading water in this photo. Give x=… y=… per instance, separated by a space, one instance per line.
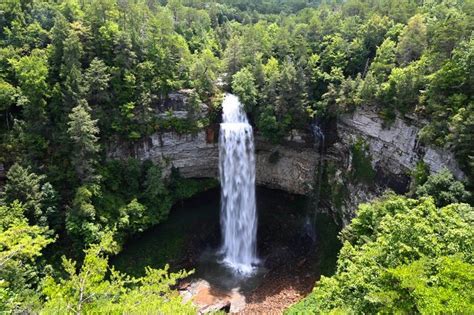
x=319 y=139
x=237 y=176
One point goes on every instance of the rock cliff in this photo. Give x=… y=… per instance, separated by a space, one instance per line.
x=287 y=167
x=292 y=165
x=395 y=148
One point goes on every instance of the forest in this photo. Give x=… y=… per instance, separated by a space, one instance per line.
x=78 y=76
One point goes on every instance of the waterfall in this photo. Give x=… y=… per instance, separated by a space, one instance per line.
x=319 y=145
x=237 y=176
x=318 y=135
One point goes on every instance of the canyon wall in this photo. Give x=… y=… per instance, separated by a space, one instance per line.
x=287 y=167
x=292 y=165
x=395 y=148
x=394 y=152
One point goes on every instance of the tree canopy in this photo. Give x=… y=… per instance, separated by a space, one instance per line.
x=77 y=76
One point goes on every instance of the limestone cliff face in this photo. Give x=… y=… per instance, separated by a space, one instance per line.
x=395 y=149
x=288 y=167
x=192 y=155
x=394 y=152
x=291 y=166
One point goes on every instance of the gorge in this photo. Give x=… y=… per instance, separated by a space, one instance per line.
x=236 y=156
x=291 y=165
x=392 y=154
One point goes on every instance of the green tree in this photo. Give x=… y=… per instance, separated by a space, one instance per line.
x=292 y=101
x=243 y=85
x=155 y=194
x=444 y=188
x=448 y=98
x=448 y=295
x=204 y=74
x=271 y=71
x=384 y=61
x=402 y=90
x=37 y=197
x=20 y=245
x=32 y=73
x=233 y=57
x=449 y=26
x=88 y=288
x=70 y=71
x=82 y=219
x=59 y=33
x=97 y=78
x=462 y=126
x=413 y=41
x=7 y=95
x=401 y=256
x=83 y=132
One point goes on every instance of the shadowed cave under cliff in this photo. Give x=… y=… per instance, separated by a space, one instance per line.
x=191 y=236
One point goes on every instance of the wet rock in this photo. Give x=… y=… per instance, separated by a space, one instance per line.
x=195 y=157
x=291 y=171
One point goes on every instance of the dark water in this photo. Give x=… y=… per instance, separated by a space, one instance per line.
x=190 y=239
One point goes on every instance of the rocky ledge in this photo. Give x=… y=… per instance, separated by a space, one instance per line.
x=288 y=167
x=292 y=165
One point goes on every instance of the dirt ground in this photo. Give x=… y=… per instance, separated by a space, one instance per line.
x=280 y=289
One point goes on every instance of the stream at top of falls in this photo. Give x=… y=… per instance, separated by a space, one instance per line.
x=237 y=177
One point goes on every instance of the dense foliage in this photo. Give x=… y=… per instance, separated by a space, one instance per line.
x=92 y=290
x=403 y=255
x=78 y=76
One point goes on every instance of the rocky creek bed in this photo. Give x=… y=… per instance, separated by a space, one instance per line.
x=293 y=256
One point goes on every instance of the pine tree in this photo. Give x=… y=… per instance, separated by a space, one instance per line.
x=97 y=80
x=59 y=34
x=71 y=74
x=83 y=132
x=25 y=186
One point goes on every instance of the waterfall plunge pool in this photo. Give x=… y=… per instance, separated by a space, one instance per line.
x=191 y=238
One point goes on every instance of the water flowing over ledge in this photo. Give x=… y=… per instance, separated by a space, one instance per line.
x=237 y=176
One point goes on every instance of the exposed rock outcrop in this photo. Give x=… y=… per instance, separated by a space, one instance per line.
x=394 y=152
x=208 y=299
x=394 y=149
x=178 y=104
x=192 y=155
x=290 y=166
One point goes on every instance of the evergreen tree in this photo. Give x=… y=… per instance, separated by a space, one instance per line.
x=26 y=187
x=71 y=72
x=83 y=132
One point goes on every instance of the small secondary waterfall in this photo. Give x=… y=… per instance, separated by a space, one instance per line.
x=319 y=145
x=319 y=138
x=237 y=176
